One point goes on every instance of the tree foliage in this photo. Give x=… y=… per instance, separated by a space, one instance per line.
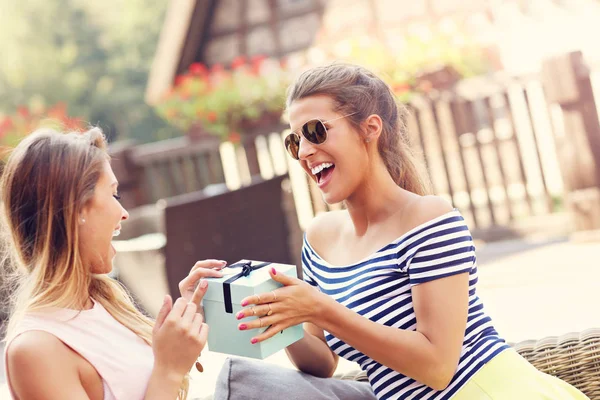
x=93 y=56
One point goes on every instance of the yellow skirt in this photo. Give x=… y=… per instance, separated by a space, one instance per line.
x=508 y=376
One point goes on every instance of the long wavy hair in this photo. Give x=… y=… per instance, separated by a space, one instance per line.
x=47 y=180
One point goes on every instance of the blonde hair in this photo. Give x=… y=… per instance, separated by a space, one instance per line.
x=358 y=93
x=47 y=180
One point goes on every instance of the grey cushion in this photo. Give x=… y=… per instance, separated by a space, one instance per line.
x=246 y=379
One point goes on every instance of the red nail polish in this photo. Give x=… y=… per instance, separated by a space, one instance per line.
x=244 y=303
x=253 y=341
x=240 y=315
x=243 y=327
x=273 y=271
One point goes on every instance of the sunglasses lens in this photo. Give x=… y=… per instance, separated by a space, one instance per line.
x=314 y=131
x=292 y=145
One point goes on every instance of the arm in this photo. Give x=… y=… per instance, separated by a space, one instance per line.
x=311 y=354
x=32 y=360
x=178 y=338
x=431 y=353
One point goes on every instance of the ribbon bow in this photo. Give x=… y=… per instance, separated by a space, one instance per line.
x=247 y=269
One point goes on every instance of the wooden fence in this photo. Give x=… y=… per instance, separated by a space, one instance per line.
x=488 y=146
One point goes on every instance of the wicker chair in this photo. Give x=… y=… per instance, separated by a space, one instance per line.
x=574 y=358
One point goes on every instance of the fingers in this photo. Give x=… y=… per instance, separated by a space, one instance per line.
x=270 y=332
x=189 y=281
x=203 y=335
x=284 y=279
x=196 y=324
x=178 y=309
x=163 y=313
x=199 y=292
x=258 y=323
x=258 y=311
x=189 y=314
x=209 y=264
x=263 y=298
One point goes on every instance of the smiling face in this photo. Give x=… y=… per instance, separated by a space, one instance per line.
x=338 y=166
x=102 y=215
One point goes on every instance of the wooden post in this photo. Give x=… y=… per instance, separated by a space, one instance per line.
x=567 y=82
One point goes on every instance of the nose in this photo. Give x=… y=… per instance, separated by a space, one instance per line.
x=125 y=214
x=305 y=149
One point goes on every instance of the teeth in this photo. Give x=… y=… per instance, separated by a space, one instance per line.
x=116 y=233
x=320 y=168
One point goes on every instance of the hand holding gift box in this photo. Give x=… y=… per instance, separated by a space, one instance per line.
x=223 y=304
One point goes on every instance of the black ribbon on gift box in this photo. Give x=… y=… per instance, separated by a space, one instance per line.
x=247 y=269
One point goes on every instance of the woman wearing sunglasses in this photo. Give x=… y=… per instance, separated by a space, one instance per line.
x=390 y=282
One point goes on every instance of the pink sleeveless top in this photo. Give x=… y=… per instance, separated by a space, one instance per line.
x=122 y=359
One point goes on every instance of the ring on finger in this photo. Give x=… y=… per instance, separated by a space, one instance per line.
x=270 y=312
x=274 y=296
x=253 y=311
x=260 y=323
x=258 y=297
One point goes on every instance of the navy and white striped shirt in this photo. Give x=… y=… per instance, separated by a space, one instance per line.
x=379 y=288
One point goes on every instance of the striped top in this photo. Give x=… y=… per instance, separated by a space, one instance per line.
x=379 y=288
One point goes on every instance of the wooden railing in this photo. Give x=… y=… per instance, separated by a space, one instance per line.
x=488 y=145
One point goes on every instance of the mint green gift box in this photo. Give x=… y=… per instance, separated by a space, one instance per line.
x=222 y=303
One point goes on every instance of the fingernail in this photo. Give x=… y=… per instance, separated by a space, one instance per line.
x=240 y=315
x=273 y=271
x=244 y=303
x=203 y=284
x=223 y=262
x=243 y=327
x=253 y=341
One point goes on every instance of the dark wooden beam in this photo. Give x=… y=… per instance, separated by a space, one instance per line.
x=197 y=33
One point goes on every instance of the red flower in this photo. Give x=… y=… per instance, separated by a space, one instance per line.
x=59 y=111
x=72 y=123
x=235 y=138
x=216 y=68
x=212 y=116
x=257 y=62
x=185 y=94
x=23 y=111
x=6 y=125
x=401 y=87
x=181 y=79
x=198 y=69
x=238 y=62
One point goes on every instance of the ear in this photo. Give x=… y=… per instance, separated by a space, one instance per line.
x=83 y=215
x=372 y=128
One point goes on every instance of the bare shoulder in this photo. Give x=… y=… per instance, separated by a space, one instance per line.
x=31 y=346
x=32 y=357
x=325 y=226
x=424 y=209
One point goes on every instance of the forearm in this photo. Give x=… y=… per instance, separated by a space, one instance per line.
x=409 y=352
x=311 y=355
x=163 y=385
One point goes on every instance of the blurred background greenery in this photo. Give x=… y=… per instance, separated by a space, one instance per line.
x=91 y=57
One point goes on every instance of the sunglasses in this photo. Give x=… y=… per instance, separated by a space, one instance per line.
x=314 y=131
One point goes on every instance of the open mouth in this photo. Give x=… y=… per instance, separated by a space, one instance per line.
x=323 y=172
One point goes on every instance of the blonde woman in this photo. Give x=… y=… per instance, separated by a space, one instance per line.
x=74 y=333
